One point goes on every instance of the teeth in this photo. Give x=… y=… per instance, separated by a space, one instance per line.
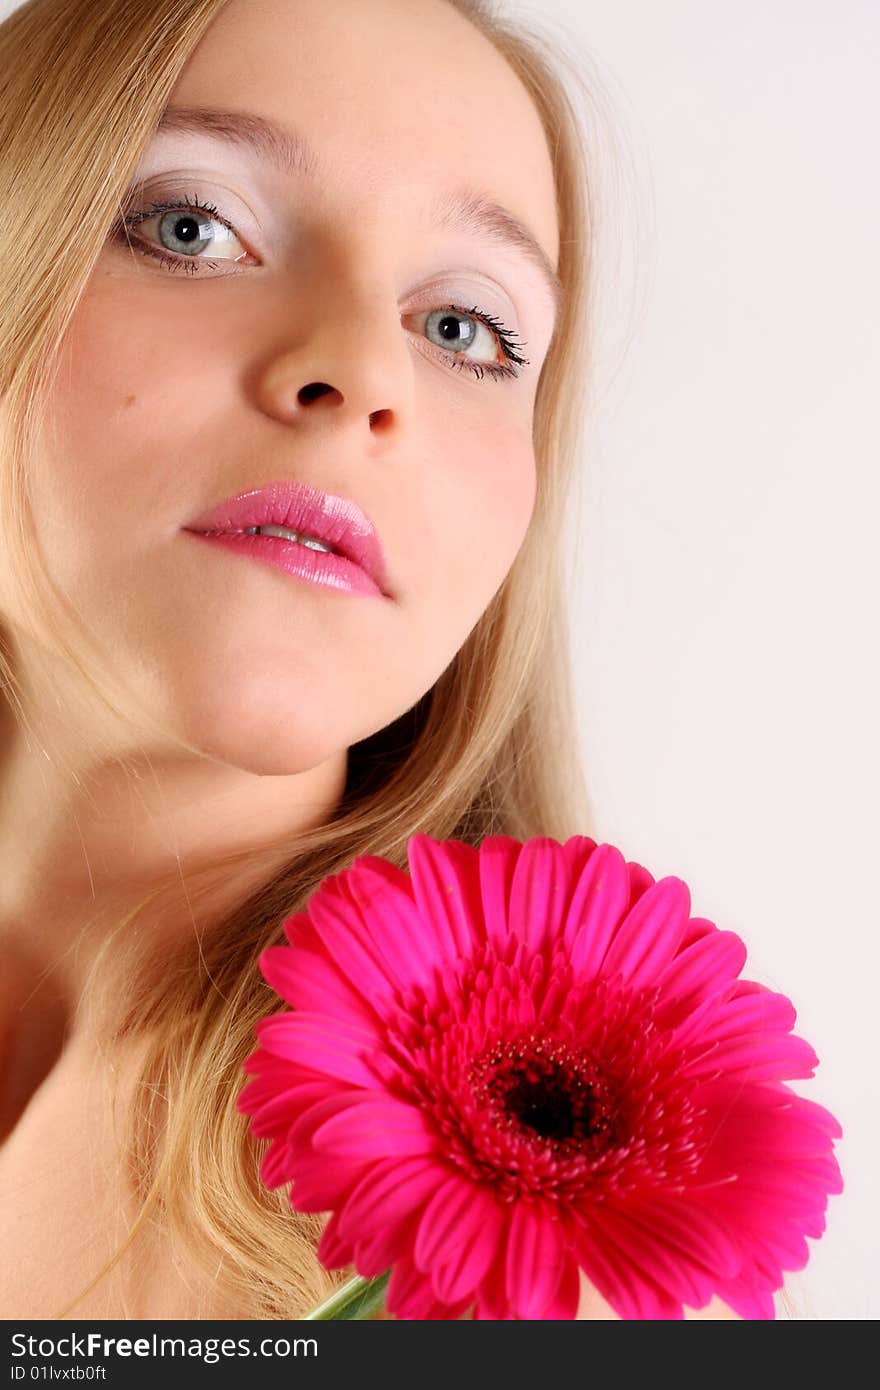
x=284 y=533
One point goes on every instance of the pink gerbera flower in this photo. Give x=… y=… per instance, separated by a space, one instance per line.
x=523 y=1060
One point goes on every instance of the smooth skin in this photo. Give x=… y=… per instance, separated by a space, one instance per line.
x=179 y=390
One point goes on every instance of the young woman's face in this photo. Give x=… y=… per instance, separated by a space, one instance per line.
x=302 y=343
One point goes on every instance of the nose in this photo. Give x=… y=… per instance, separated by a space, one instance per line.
x=347 y=364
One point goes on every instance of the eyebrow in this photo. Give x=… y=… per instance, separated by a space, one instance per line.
x=465 y=208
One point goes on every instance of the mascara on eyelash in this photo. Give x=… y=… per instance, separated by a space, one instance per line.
x=187 y=204
x=505 y=334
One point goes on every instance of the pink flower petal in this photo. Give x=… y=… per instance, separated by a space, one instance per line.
x=756 y=1058
x=277 y=1114
x=640 y=880
x=408 y=944
x=690 y=1231
x=389 y=1191
x=649 y=936
x=320 y=1184
x=377 y=1252
x=333 y=1101
x=320 y=1181
x=376 y=1127
x=751 y=1304
x=275 y=1165
x=681 y=1278
x=349 y=942
x=459 y=1275
x=334 y=1251
x=761 y=1011
x=686 y=1284
x=702 y=969
x=785 y=1190
x=632 y=1294
x=814 y=1224
x=770 y=1121
x=319 y=1043
x=410 y=1296
x=563 y=1305
x=539 y=893
x=534 y=1265
x=740 y=1013
x=577 y=849
x=309 y=980
x=492 y=1302
x=446 y=1220
x=264 y=1087
x=696 y=929
x=498 y=858
x=299 y=929
x=598 y=903
x=446 y=883
x=273 y=1070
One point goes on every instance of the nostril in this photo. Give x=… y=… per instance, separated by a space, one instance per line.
x=313 y=391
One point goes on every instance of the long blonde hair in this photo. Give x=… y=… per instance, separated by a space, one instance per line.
x=491 y=748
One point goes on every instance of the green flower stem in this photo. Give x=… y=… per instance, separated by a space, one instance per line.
x=356 y=1298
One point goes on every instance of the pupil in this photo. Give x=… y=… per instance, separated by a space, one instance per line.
x=449 y=327
x=191 y=231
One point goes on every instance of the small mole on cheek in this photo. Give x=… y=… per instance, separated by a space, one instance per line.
x=129 y=400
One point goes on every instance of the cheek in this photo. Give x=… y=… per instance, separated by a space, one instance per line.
x=123 y=443
x=496 y=484
x=473 y=524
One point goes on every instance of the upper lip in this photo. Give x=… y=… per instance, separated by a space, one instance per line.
x=336 y=521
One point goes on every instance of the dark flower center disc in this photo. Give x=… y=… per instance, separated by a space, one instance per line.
x=548 y=1092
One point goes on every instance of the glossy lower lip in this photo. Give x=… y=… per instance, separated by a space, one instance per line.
x=317 y=566
x=336 y=520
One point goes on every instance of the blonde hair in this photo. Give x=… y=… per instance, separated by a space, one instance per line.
x=489 y=749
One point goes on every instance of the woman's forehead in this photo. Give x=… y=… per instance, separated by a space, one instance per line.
x=381 y=92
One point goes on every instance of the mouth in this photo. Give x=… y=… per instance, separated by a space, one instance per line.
x=319 y=521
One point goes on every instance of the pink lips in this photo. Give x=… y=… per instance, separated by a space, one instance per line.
x=358 y=564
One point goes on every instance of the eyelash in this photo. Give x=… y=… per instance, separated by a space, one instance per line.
x=503 y=336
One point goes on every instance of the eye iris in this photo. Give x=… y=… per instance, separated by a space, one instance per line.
x=185 y=229
x=449 y=326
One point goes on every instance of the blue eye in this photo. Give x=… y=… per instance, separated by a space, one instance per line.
x=190 y=229
x=443 y=322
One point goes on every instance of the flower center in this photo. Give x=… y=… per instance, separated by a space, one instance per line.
x=587 y=1098
x=547 y=1091
x=546 y=1100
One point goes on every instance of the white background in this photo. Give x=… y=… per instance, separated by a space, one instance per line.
x=725 y=582
x=726 y=576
